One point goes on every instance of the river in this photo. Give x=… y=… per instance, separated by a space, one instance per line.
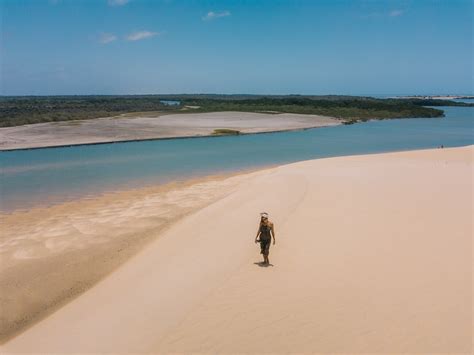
x=45 y=176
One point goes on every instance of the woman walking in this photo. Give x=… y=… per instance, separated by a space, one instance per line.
x=264 y=236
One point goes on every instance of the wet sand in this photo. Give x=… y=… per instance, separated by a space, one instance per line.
x=373 y=254
x=147 y=126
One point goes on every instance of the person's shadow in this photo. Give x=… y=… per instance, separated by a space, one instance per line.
x=262 y=264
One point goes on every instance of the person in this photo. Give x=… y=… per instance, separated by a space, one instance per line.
x=264 y=235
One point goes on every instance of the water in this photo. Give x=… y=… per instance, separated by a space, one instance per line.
x=32 y=177
x=171 y=102
x=468 y=101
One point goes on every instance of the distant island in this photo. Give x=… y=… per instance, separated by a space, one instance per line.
x=436 y=97
x=21 y=110
x=54 y=121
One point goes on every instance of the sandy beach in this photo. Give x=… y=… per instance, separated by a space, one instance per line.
x=52 y=253
x=145 y=126
x=373 y=254
x=436 y=97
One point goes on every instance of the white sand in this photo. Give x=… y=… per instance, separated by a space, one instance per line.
x=437 y=97
x=144 y=125
x=373 y=255
x=51 y=254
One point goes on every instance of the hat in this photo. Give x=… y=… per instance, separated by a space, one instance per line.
x=264 y=214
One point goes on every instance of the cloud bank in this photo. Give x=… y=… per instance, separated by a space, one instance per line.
x=137 y=36
x=212 y=15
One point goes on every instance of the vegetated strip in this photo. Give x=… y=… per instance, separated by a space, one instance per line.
x=21 y=110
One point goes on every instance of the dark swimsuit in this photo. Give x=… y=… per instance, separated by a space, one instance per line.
x=265 y=239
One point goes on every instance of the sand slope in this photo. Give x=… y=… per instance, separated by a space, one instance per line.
x=373 y=254
x=51 y=254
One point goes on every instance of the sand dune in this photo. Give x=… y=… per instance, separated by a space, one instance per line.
x=51 y=254
x=373 y=255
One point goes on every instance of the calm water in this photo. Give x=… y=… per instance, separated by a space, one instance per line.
x=171 y=102
x=32 y=177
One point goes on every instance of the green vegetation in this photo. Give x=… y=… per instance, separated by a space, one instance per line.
x=436 y=102
x=15 y=111
x=354 y=108
x=226 y=132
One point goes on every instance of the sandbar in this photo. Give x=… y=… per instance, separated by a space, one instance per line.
x=148 y=126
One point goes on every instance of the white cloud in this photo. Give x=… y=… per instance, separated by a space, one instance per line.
x=395 y=13
x=211 y=15
x=381 y=15
x=107 y=38
x=117 y=2
x=136 y=36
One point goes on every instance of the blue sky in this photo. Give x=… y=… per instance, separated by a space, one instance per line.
x=358 y=47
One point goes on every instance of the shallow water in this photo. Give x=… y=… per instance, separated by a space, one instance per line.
x=45 y=176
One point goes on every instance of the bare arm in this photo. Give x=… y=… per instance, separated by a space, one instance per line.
x=258 y=234
x=272 y=229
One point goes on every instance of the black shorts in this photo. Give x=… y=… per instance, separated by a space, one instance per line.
x=265 y=246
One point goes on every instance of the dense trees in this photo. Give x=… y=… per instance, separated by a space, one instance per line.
x=15 y=111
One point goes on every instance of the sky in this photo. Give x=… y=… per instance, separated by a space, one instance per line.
x=345 y=47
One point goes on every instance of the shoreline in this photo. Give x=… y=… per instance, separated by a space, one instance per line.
x=30 y=237
x=241 y=182
x=159 y=139
x=435 y=97
x=161 y=127
x=188 y=182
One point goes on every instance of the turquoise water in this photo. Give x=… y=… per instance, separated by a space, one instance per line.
x=44 y=176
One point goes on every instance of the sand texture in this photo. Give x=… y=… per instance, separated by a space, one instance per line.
x=142 y=126
x=373 y=254
x=51 y=254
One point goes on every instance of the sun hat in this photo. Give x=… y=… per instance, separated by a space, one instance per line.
x=264 y=214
